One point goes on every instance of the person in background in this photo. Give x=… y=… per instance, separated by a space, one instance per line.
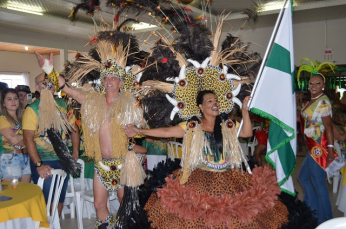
x=25 y=96
x=317 y=127
x=37 y=95
x=262 y=138
x=14 y=161
x=43 y=157
x=3 y=86
x=299 y=105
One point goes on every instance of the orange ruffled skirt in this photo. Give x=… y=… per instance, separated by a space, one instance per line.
x=232 y=199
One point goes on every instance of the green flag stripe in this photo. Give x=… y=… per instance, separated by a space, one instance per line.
x=285 y=152
x=280 y=59
x=281 y=143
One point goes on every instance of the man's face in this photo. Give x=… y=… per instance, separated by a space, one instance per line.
x=22 y=96
x=112 y=83
x=42 y=83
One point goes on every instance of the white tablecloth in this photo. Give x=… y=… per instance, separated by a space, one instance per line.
x=21 y=223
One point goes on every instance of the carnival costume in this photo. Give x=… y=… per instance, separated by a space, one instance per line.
x=312 y=173
x=211 y=189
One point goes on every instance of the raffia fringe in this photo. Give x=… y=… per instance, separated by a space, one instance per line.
x=232 y=146
x=94 y=114
x=132 y=173
x=48 y=114
x=125 y=111
x=192 y=151
x=184 y=201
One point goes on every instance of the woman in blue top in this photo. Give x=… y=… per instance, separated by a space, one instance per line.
x=14 y=161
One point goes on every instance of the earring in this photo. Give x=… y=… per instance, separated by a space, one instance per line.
x=322 y=89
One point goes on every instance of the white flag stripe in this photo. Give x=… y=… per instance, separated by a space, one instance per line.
x=274 y=99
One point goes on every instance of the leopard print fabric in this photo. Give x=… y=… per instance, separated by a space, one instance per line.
x=215 y=183
x=109 y=179
x=214 y=79
x=129 y=82
x=54 y=78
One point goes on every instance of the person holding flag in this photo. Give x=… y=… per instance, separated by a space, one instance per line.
x=316 y=124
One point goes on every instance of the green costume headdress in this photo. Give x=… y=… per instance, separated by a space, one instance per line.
x=314 y=69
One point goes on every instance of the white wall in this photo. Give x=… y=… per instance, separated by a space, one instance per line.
x=309 y=41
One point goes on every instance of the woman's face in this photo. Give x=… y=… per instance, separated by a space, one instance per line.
x=210 y=105
x=316 y=85
x=11 y=102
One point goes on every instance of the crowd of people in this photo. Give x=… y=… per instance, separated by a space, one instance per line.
x=213 y=185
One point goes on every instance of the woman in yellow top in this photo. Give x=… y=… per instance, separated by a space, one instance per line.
x=317 y=127
x=14 y=161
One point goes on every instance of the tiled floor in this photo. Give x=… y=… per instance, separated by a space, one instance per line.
x=69 y=223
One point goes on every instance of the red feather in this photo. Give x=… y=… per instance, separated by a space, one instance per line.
x=93 y=40
x=164 y=60
x=116 y=17
x=188 y=9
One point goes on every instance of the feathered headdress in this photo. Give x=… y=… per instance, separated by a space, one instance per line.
x=314 y=69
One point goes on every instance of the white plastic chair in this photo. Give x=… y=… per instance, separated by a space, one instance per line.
x=86 y=195
x=172 y=149
x=336 y=179
x=58 y=178
x=252 y=144
x=333 y=223
x=73 y=186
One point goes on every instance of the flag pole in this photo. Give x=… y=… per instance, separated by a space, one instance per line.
x=271 y=41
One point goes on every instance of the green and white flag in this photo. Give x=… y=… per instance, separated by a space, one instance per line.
x=274 y=99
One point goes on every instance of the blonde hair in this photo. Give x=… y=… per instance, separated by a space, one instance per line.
x=3 y=110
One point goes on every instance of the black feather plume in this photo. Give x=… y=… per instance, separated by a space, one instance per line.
x=62 y=151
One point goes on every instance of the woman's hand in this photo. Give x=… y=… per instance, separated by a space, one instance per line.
x=131 y=131
x=16 y=139
x=245 y=103
x=330 y=159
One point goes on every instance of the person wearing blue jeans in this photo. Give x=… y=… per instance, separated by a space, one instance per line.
x=313 y=179
x=41 y=151
x=47 y=182
x=316 y=124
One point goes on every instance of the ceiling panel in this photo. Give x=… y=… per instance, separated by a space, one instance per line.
x=55 y=19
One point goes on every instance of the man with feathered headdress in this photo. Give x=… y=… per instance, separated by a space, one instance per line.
x=103 y=117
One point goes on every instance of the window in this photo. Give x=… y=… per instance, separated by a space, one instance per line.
x=14 y=78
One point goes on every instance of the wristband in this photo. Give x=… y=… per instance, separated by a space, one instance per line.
x=330 y=146
x=62 y=87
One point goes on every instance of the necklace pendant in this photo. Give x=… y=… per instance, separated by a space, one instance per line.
x=318 y=96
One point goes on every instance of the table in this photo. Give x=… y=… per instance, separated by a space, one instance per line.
x=26 y=209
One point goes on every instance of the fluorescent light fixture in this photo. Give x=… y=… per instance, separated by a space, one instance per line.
x=26 y=48
x=271 y=6
x=142 y=25
x=25 y=11
x=24 y=8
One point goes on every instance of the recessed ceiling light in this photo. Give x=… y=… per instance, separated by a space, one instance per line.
x=26 y=48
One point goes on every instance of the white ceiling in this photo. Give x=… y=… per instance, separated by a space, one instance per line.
x=55 y=19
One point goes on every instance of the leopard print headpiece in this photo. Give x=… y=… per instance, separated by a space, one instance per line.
x=198 y=78
x=110 y=67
